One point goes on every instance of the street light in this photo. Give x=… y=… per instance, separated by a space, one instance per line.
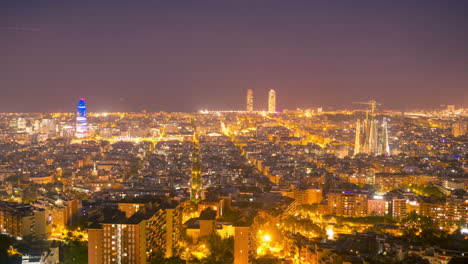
x=267 y=238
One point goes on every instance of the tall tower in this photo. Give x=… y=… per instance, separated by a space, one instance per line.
x=458 y=129
x=385 y=146
x=357 y=140
x=272 y=101
x=373 y=137
x=81 y=120
x=249 y=100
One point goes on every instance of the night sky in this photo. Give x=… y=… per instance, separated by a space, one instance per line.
x=188 y=55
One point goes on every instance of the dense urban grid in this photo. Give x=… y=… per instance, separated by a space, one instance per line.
x=297 y=186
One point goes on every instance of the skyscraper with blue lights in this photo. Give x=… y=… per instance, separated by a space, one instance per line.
x=81 y=120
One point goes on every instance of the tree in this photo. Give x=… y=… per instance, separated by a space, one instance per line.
x=158 y=258
x=413 y=259
x=310 y=208
x=74 y=252
x=266 y=260
x=421 y=229
x=222 y=250
x=5 y=243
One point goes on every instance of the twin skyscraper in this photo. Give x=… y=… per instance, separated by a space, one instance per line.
x=271 y=101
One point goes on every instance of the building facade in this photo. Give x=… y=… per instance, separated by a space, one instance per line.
x=81 y=120
x=250 y=102
x=135 y=240
x=347 y=204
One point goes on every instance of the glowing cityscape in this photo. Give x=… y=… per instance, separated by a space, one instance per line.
x=233 y=132
x=153 y=187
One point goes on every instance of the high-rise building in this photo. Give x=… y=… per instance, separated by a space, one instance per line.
x=459 y=129
x=453 y=209
x=307 y=196
x=347 y=203
x=22 y=220
x=137 y=238
x=243 y=245
x=49 y=126
x=81 y=120
x=22 y=124
x=59 y=212
x=272 y=101
x=249 y=107
x=398 y=207
x=378 y=206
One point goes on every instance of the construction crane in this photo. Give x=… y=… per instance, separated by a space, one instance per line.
x=371 y=103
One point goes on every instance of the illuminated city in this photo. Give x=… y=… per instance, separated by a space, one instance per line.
x=211 y=138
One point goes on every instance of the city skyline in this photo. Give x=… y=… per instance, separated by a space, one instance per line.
x=268 y=103
x=233 y=132
x=182 y=57
x=272 y=101
x=147 y=187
